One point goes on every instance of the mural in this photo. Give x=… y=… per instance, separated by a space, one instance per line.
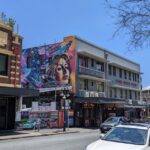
x=49 y=65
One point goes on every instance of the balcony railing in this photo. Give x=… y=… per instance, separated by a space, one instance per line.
x=85 y=93
x=125 y=83
x=91 y=72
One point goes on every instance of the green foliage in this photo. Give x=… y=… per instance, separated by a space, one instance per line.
x=11 y=22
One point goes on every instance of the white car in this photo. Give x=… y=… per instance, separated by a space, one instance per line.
x=124 y=137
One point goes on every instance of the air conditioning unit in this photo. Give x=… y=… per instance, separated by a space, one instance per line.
x=96 y=94
x=92 y=94
x=130 y=101
x=86 y=94
x=101 y=94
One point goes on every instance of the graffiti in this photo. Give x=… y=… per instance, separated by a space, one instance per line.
x=49 y=65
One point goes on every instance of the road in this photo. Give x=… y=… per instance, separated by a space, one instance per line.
x=71 y=141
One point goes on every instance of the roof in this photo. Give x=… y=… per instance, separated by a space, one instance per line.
x=135 y=125
x=146 y=88
x=105 y=50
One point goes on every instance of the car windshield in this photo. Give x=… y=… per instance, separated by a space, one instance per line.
x=127 y=135
x=112 y=120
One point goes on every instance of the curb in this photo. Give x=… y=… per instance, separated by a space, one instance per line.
x=44 y=134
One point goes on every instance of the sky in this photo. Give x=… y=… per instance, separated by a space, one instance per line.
x=48 y=21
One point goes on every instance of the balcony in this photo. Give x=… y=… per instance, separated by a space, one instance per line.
x=85 y=93
x=91 y=72
x=124 y=83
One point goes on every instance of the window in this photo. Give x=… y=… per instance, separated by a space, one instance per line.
x=114 y=71
x=100 y=87
x=125 y=74
x=85 y=84
x=3 y=38
x=120 y=73
x=121 y=93
x=3 y=65
x=115 y=93
x=130 y=94
x=92 y=62
x=126 y=94
x=129 y=75
x=110 y=71
x=111 y=93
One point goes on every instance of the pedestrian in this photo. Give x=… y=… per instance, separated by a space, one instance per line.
x=34 y=125
x=38 y=124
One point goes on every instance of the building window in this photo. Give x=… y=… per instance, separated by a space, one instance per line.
x=3 y=38
x=115 y=92
x=3 y=65
x=85 y=84
x=111 y=93
x=126 y=94
x=109 y=69
x=121 y=93
x=129 y=75
x=125 y=74
x=114 y=71
x=120 y=73
x=92 y=62
x=100 y=87
x=130 y=94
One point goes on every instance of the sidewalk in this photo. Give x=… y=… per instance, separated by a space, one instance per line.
x=6 y=135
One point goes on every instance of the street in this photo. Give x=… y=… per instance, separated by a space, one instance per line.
x=72 y=141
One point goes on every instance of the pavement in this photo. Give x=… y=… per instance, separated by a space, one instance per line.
x=14 y=134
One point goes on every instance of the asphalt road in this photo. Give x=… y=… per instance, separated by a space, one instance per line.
x=72 y=141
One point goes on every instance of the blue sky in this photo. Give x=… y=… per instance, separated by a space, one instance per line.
x=48 y=21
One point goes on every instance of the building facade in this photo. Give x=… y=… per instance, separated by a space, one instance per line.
x=146 y=94
x=10 y=76
x=102 y=83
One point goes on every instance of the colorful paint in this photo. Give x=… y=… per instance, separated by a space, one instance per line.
x=49 y=65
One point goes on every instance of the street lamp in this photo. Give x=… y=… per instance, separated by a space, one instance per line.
x=64 y=104
x=65 y=95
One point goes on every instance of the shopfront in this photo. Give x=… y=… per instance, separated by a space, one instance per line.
x=90 y=112
x=9 y=98
x=7 y=112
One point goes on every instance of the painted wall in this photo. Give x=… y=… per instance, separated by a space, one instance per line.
x=49 y=65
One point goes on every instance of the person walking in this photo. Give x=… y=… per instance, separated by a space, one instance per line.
x=38 y=124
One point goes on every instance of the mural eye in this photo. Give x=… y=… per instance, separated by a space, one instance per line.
x=66 y=66
x=59 y=68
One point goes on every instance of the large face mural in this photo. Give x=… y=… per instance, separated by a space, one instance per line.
x=49 y=66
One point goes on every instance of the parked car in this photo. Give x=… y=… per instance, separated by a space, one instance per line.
x=111 y=122
x=29 y=124
x=124 y=137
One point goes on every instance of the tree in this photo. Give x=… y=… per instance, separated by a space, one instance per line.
x=11 y=22
x=133 y=17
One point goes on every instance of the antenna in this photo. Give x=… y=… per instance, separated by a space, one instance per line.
x=17 y=28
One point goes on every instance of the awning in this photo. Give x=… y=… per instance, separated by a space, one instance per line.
x=60 y=88
x=10 y=91
x=136 y=106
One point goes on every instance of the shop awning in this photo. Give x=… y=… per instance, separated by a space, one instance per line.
x=10 y=91
x=60 y=88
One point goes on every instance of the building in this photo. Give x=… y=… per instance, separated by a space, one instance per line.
x=10 y=85
x=103 y=83
x=146 y=94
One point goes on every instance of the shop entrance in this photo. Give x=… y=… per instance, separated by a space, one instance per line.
x=7 y=113
x=3 y=109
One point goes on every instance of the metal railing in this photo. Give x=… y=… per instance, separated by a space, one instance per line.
x=86 y=93
x=91 y=72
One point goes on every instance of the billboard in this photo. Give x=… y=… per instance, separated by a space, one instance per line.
x=49 y=65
